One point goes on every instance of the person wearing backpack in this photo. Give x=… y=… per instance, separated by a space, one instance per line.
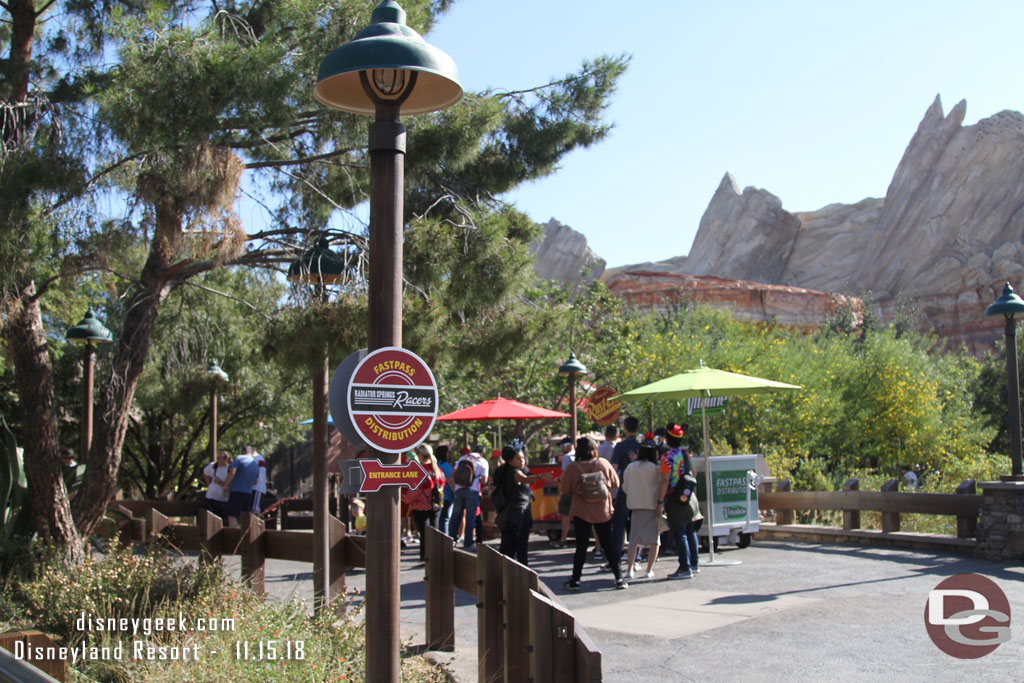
x=469 y=474
x=679 y=500
x=588 y=481
x=424 y=503
x=511 y=498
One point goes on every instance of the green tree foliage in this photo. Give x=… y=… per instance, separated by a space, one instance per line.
x=873 y=401
x=167 y=109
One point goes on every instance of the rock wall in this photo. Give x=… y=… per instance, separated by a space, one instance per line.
x=751 y=301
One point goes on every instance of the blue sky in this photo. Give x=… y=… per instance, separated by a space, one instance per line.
x=812 y=101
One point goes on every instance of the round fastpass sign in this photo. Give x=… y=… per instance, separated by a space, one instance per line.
x=392 y=399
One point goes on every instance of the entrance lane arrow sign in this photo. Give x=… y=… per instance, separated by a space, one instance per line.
x=376 y=474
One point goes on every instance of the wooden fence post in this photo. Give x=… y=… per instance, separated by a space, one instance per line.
x=155 y=522
x=252 y=552
x=588 y=659
x=851 y=518
x=552 y=641
x=490 y=644
x=32 y=670
x=440 y=579
x=891 y=520
x=210 y=543
x=967 y=526
x=784 y=516
x=517 y=582
x=336 y=557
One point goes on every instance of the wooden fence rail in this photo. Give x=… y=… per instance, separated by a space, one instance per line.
x=964 y=504
x=252 y=541
x=517 y=614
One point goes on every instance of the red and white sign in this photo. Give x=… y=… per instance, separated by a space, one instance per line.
x=392 y=399
x=601 y=408
x=376 y=474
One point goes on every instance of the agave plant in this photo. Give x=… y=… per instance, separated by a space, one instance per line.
x=16 y=525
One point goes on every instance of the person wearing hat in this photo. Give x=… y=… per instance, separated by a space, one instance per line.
x=678 y=497
x=566 y=458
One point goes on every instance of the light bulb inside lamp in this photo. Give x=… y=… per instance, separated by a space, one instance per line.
x=389 y=83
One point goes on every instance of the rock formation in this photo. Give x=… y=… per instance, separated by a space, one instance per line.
x=949 y=231
x=562 y=255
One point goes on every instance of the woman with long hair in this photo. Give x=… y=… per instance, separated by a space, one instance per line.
x=589 y=480
x=515 y=520
x=421 y=501
x=641 y=482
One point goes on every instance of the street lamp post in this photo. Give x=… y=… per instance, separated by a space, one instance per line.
x=87 y=331
x=219 y=377
x=1007 y=305
x=320 y=267
x=572 y=367
x=386 y=70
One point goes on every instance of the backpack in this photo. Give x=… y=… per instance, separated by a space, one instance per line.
x=436 y=497
x=499 y=498
x=593 y=488
x=464 y=471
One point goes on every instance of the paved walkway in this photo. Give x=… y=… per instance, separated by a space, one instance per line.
x=789 y=610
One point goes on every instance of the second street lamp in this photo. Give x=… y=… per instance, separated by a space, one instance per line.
x=386 y=70
x=1007 y=305
x=219 y=377
x=572 y=367
x=320 y=267
x=88 y=330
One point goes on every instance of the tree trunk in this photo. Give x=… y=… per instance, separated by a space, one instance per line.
x=129 y=358
x=26 y=340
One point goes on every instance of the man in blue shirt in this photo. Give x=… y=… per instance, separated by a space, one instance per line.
x=243 y=474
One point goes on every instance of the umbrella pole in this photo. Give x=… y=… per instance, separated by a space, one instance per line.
x=708 y=482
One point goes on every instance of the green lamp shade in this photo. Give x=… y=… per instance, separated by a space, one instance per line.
x=572 y=365
x=1007 y=304
x=318 y=265
x=385 y=49
x=89 y=329
x=214 y=370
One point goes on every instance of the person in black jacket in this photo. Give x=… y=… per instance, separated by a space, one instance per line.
x=515 y=519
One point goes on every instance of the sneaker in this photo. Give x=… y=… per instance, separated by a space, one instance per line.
x=571 y=585
x=557 y=544
x=695 y=570
x=681 y=574
x=637 y=566
x=629 y=574
x=621 y=584
x=649 y=575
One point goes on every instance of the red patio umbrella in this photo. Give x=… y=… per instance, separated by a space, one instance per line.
x=500 y=409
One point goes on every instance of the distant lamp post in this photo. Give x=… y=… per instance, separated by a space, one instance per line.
x=386 y=70
x=572 y=367
x=87 y=331
x=1007 y=305
x=320 y=267
x=219 y=377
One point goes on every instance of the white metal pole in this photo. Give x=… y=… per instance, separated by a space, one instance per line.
x=708 y=483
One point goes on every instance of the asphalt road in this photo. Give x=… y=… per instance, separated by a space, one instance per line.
x=787 y=611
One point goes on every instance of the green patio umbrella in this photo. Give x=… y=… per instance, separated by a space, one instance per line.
x=705 y=383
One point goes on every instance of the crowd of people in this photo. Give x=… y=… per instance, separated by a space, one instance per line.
x=629 y=494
